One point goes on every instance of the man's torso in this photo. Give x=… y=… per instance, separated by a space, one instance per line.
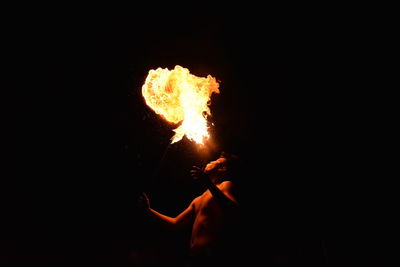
x=208 y=226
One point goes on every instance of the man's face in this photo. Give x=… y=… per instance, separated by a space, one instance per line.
x=216 y=168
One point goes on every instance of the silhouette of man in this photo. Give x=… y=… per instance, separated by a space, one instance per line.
x=212 y=215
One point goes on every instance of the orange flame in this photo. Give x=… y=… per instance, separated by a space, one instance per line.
x=179 y=96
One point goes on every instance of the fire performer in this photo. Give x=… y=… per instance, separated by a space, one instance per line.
x=213 y=215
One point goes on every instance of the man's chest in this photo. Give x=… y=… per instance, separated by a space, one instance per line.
x=207 y=205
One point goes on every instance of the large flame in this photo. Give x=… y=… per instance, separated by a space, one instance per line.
x=179 y=96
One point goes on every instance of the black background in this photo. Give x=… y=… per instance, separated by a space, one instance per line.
x=83 y=144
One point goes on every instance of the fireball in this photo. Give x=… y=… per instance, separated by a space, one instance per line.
x=179 y=96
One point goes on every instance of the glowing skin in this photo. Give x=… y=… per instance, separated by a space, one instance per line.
x=210 y=213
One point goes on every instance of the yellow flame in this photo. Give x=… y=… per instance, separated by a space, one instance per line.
x=177 y=95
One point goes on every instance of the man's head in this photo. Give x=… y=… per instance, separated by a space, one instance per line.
x=222 y=168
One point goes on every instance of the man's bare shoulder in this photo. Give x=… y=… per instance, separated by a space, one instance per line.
x=226 y=185
x=203 y=197
x=199 y=198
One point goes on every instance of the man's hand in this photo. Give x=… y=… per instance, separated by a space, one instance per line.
x=143 y=202
x=198 y=174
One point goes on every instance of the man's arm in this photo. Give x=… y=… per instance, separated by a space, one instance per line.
x=182 y=219
x=222 y=198
x=226 y=200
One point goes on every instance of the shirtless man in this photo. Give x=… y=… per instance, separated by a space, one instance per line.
x=212 y=215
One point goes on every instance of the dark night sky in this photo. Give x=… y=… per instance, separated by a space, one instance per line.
x=85 y=144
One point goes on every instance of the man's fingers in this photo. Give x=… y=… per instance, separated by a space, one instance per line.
x=197 y=168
